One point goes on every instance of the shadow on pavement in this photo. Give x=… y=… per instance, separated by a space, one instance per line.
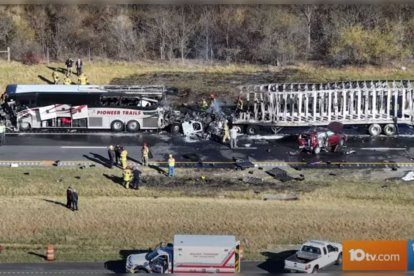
x=118 y=266
x=275 y=261
x=158 y=169
x=97 y=158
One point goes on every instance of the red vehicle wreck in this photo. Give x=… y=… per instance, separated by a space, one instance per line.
x=327 y=139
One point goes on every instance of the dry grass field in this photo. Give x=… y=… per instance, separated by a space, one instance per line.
x=367 y=204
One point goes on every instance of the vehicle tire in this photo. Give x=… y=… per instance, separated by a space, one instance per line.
x=315 y=269
x=251 y=130
x=175 y=128
x=374 y=129
x=132 y=126
x=339 y=260
x=24 y=126
x=117 y=126
x=389 y=129
x=317 y=150
x=140 y=270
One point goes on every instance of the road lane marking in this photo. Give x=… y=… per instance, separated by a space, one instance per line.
x=383 y=149
x=82 y=147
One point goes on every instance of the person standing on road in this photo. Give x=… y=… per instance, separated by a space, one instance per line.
x=127 y=176
x=111 y=155
x=171 y=165
x=226 y=135
x=79 y=66
x=69 y=197
x=145 y=152
x=124 y=157
x=136 y=178
x=233 y=136
x=117 y=154
x=2 y=133
x=75 y=199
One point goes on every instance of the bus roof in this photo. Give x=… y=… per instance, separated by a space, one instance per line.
x=123 y=89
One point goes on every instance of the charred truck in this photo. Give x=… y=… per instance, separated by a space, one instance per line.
x=379 y=105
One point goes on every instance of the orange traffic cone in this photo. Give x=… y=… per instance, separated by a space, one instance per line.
x=50 y=253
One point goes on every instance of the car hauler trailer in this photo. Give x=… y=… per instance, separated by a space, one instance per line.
x=190 y=254
x=380 y=105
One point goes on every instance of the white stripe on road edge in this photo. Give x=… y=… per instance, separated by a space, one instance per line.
x=383 y=149
x=81 y=147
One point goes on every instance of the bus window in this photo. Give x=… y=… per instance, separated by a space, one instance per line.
x=110 y=101
x=126 y=101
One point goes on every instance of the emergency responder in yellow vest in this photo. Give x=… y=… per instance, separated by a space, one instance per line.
x=203 y=105
x=83 y=80
x=145 y=154
x=67 y=81
x=240 y=104
x=55 y=77
x=171 y=165
x=2 y=134
x=124 y=156
x=226 y=135
x=127 y=175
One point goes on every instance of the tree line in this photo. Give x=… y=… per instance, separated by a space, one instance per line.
x=264 y=34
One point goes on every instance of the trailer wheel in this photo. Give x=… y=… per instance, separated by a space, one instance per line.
x=175 y=128
x=374 y=129
x=389 y=129
x=251 y=130
x=339 y=260
x=133 y=126
x=24 y=126
x=140 y=270
x=317 y=150
x=117 y=126
x=315 y=269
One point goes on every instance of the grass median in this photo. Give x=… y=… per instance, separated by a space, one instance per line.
x=332 y=205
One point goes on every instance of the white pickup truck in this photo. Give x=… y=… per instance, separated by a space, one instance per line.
x=313 y=256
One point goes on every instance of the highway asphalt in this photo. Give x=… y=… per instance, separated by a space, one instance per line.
x=118 y=266
x=267 y=148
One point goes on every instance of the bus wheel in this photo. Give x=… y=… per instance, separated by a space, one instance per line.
x=174 y=128
x=117 y=126
x=374 y=129
x=133 y=126
x=251 y=130
x=24 y=126
x=389 y=129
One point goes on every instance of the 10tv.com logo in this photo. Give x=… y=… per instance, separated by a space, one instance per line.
x=378 y=255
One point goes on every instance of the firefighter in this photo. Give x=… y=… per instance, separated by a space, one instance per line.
x=145 y=154
x=240 y=104
x=111 y=155
x=226 y=135
x=203 y=105
x=171 y=165
x=67 y=81
x=124 y=156
x=55 y=77
x=127 y=175
x=83 y=80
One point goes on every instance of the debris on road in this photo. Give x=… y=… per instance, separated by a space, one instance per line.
x=279 y=174
x=349 y=152
x=243 y=164
x=252 y=180
x=283 y=197
x=409 y=176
